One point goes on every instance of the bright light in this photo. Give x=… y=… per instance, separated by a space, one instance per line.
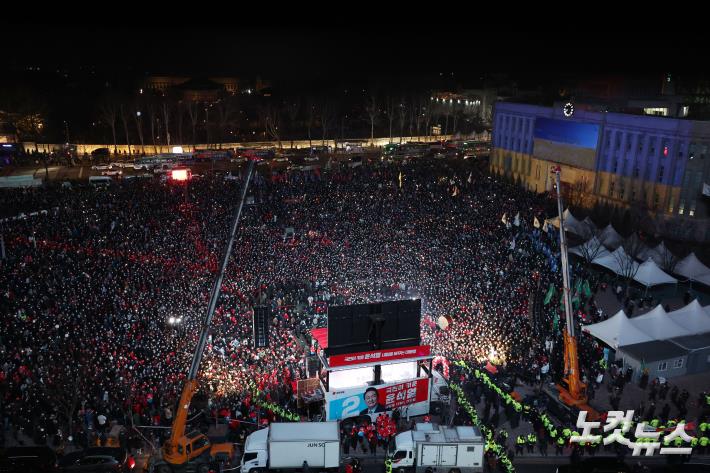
x=138 y=114
x=180 y=174
x=351 y=378
x=171 y=320
x=177 y=149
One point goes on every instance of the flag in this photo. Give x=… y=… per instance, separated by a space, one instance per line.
x=512 y=244
x=516 y=220
x=504 y=219
x=536 y=223
x=555 y=322
x=470 y=178
x=400 y=179
x=550 y=294
x=578 y=287
x=544 y=226
x=456 y=191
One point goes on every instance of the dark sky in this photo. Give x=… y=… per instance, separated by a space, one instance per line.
x=305 y=53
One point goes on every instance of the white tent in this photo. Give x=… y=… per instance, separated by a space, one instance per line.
x=660 y=254
x=572 y=224
x=693 y=317
x=617 y=331
x=703 y=278
x=591 y=248
x=613 y=261
x=611 y=238
x=691 y=267
x=589 y=223
x=658 y=325
x=649 y=274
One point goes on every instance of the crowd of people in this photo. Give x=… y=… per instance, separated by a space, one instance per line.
x=102 y=295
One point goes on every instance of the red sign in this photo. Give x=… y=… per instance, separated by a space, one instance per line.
x=379 y=355
x=403 y=394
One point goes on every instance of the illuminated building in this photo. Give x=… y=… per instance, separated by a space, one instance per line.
x=657 y=164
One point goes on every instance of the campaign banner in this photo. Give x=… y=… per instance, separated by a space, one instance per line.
x=379 y=355
x=351 y=402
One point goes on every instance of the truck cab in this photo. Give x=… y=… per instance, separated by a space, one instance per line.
x=255 y=452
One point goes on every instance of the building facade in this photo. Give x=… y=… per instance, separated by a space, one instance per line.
x=656 y=164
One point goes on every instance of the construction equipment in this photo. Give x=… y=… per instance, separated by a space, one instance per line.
x=193 y=451
x=572 y=391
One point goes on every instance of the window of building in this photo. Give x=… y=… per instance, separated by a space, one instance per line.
x=611 y=188
x=660 y=173
x=677 y=364
x=670 y=205
x=684 y=111
x=621 y=192
x=658 y=111
x=691 y=212
x=537 y=172
x=662 y=366
x=681 y=207
x=655 y=200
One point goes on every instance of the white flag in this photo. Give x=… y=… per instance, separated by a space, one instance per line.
x=470 y=178
x=516 y=220
x=536 y=223
x=504 y=219
x=512 y=244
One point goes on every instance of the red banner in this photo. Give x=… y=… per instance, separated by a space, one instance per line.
x=379 y=355
x=404 y=394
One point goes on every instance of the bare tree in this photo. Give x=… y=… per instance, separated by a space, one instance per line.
x=668 y=260
x=592 y=248
x=124 y=120
x=628 y=267
x=193 y=111
x=166 y=108
x=326 y=115
x=310 y=120
x=389 y=110
x=578 y=193
x=180 y=119
x=225 y=114
x=293 y=109
x=427 y=110
x=402 y=109
x=109 y=115
x=270 y=118
x=138 y=116
x=372 y=114
x=153 y=116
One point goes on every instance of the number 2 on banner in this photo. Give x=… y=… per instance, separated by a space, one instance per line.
x=351 y=407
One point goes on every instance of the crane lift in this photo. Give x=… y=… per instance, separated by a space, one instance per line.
x=193 y=452
x=572 y=391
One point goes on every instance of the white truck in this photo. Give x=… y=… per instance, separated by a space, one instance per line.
x=285 y=446
x=430 y=448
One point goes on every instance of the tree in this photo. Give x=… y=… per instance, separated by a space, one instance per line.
x=225 y=114
x=592 y=247
x=628 y=267
x=310 y=120
x=372 y=114
x=180 y=119
x=326 y=115
x=109 y=115
x=578 y=193
x=390 y=109
x=138 y=116
x=270 y=118
x=153 y=116
x=124 y=120
x=166 y=108
x=402 y=109
x=193 y=112
x=293 y=109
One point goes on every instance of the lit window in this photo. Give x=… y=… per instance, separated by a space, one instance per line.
x=684 y=111
x=691 y=212
x=662 y=366
x=677 y=364
x=681 y=207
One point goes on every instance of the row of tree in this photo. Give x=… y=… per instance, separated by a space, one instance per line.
x=157 y=118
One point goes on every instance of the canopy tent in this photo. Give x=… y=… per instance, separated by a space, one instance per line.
x=572 y=224
x=658 y=325
x=617 y=331
x=692 y=268
x=589 y=223
x=693 y=317
x=611 y=237
x=614 y=262
x=703 y=279
x=660 y=254
x=649 y=274
x=592 y=248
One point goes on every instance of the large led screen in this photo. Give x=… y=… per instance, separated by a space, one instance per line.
x=566 y=142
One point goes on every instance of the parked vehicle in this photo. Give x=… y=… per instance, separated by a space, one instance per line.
x=28 y=459
x=100 y=180
x=430 y=447
x=286 y=446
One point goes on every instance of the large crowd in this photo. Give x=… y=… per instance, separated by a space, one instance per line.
x=102 y=295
